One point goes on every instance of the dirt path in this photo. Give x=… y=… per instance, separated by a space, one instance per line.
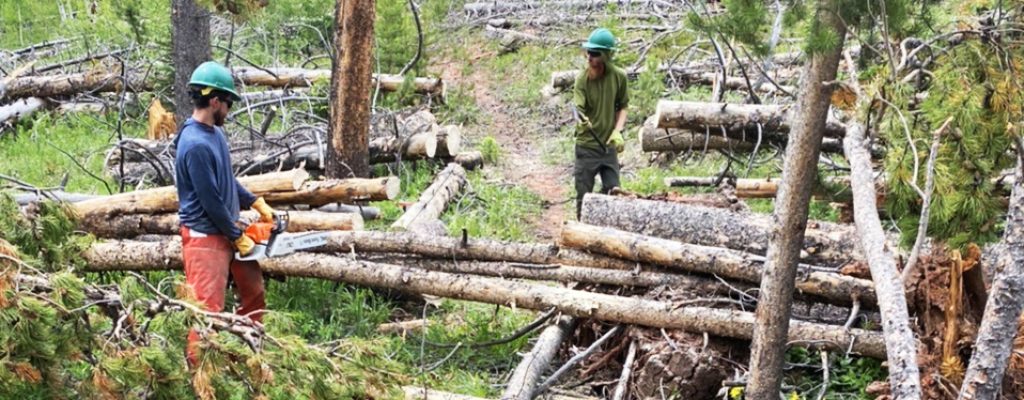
x=521 y=152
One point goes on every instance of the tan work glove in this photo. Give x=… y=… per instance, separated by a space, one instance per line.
x=244 y=245
x=266 y=213
x=617 y=141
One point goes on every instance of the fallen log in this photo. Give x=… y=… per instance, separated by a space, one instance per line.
x=70 y=84
x=319 y=193
x=528 y=372
x=508 y=6
x=299 y=77
x=433 y=201
x=449 y=141
x=737 y=119
x=367 y=212
x=756 y=188
x=20 y=108
x=825 y=244
x=654 y=139
x=25 y=199
x=165 y=199
x=122 y=255
x=132 y=225
x=901 y=346
x=470 y=160
x=449 y=248
x=564 y=80
x=707 y=260
x=420 y=393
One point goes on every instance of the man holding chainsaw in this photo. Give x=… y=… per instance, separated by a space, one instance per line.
x=600 y=97
x=210 y=199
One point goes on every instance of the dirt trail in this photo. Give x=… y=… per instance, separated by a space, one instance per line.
x=519 y=136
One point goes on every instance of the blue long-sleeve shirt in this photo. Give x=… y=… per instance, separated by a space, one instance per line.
x=209 y=196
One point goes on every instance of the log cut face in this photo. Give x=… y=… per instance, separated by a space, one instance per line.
x=825 y=244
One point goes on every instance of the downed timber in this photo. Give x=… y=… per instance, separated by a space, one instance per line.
x=901 y=346
x=433 y=201
x=319 y=193
x=487 y=7
x=707 y=260
x=25 y=199
x=165 y=199
x=449 y=141
x=754 y=188
x=132 y=225
x=420 y=393
x=449 y=248
x=404 y=327
x=654 y=139
x=120 y=255
x=738 y=119
x=413 y=147
x=564 y=80
x=531 y=368
x=367 y=212
x=70 y=84
x=470 y=160
x=299 y=77
x=20 y=108
x=825 y=244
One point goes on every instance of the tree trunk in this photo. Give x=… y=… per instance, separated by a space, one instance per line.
x=707 y=260
x=351 y=86
x=72 y=84
x=318 y=193
x=527 y=374
x=449 y=248
x=654 y=139
x=470 y=160
x=300 y=77
x=132 y=225
x=736 y=119
x=190 y=42
x=825 y=244
x=165 y=199
x=433 y=201
x=998 y=330
x=25 y=199
x=787 y=239
x=413 y=147
x=449 y=140
x=20 y=108
x=112 y=256
x=757 y=188
x=901 y=347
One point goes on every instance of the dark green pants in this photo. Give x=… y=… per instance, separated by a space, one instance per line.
x=590 y=163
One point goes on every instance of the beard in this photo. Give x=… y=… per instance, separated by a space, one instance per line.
x=595 y=71
x=219 y=117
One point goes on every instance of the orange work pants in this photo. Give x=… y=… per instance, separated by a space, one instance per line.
x=208 y=259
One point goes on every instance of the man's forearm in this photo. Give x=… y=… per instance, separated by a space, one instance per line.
x=620 y=119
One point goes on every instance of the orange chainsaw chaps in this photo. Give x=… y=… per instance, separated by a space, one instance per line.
x=259 y=232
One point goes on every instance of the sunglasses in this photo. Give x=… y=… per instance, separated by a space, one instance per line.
x=593 y=54
x=226 y=101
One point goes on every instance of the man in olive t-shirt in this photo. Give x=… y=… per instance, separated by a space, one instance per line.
x=601 y=98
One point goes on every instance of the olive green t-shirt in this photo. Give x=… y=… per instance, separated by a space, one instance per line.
x=598 y=100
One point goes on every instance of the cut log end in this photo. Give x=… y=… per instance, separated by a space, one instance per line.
x=392 y=187
x=299 y=176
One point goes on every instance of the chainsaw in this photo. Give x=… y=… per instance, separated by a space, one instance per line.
x=272 y=241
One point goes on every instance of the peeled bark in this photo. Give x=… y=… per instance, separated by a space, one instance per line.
x=433 y=201
x=20 y=108
x=787 y=238
x=122 y=255
x=707 y=260
x=299 y=77
x=825 y=244
x=318 y=193
x=132 y=225
x=901 y=347
x=999 y=326
x=740 y=119
x=165 y=199
x=527 y=374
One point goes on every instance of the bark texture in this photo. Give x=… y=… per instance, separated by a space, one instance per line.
x=671 y=139
x=433 y=201
x=808 y=123
x=132 y=225
x=527 y=374
x=351 y=86
x=995 y=341
x=122 y=255
x=319 y=193
x=299 y=77
x=707 y=260
x=901 y=347
x=190 y=42
x=470 y=160
x=737 y=118
x=825 y=244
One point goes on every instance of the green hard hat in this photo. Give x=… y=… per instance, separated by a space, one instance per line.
x=212 y=75
x=600 y=39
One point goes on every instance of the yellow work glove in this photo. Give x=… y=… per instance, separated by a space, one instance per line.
x=266 y=213
x=617 y=141
x=244 y=244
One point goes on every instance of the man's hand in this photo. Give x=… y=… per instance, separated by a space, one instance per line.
x=244 y=245
x=266 y=213
x=617 y=141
